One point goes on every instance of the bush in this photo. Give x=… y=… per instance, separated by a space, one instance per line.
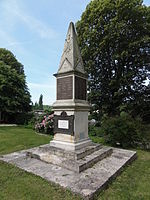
x=95 y=131
x=19 y=118
x=122 y=130
x=44 y=124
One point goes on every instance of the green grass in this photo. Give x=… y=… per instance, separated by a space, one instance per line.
x=97 y=139
x=16 y=184
x=18 y=138
x=133 y=183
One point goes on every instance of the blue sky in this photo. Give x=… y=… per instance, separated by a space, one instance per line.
x=35 y=30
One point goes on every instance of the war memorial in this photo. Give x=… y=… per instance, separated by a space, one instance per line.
x=71 y=159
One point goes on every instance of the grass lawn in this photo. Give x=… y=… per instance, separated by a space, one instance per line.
x=18 y=138
x=16 y=184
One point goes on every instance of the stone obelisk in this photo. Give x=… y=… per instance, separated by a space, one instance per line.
x=71 y=106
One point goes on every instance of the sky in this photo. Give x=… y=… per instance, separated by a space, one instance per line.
x=34 y=31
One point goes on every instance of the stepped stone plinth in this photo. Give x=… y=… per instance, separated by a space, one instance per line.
x=89 y=182
x=76 y=161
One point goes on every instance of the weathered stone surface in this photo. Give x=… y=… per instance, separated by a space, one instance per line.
x=71 y=59
x=76 y=161
x=76 y=155
x=86 y=183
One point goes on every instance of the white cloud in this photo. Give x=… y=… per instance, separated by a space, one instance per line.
x=8 y=41
x=15 y=43
x=13 y=13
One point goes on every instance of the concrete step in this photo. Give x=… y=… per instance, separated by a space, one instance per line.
x=78 y=154
x=75 y=161
x=88 y=161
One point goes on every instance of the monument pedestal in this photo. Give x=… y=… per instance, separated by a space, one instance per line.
x=77 y=160
x=69 y=145
x=71 y=125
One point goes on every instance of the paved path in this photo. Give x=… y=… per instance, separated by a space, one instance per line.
x=3 y=125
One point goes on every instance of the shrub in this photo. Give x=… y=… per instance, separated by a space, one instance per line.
x=45 y=124
x=95 y=131
x=122 y=130
x=19 y=118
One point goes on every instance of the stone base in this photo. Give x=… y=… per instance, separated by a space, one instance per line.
x=76 y=161
x=87 y=183
x=70 y=146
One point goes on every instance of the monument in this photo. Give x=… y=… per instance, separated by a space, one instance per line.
x=71 y=159
x=71 y=143
x=71 y=107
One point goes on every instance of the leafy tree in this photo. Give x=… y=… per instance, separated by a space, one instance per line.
x=14 y=94
x=47 y=108
x=9 y=59
x=36 y=106
x=41 y=102
x=114 y=36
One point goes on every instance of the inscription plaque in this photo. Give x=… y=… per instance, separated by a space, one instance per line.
x=64 y=124
x=64 y=88
x=80 y=88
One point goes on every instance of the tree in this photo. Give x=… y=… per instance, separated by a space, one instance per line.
x=9 y=59
x=114 y=36
x=14 y=94
x=41 y=102
x=36 y=106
